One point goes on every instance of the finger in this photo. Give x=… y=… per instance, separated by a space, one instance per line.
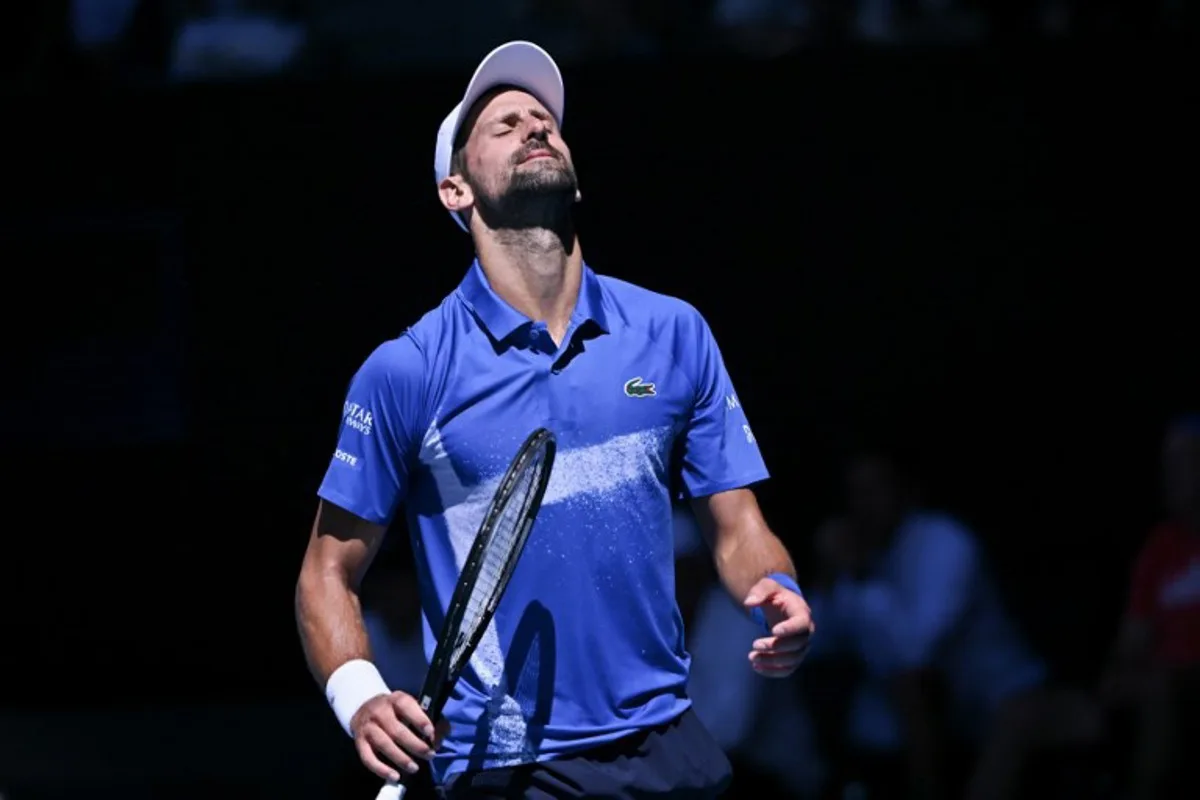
x=409 y=711
x=793 y=625
x=407 y=739
x=781 y=644
x=384 y=746
x=774 y=672
x=372 y=762
x=798 y=653
x=775 y=660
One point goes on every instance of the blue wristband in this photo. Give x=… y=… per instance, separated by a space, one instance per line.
x=784 y=580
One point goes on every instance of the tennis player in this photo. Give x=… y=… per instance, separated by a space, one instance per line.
x=578 y=687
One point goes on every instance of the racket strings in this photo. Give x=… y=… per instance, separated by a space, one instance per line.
x=499 y=555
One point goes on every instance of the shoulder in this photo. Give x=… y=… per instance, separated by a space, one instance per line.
x=672 y=326
x=650 y=311
x=434 y=327
x=406 y=359
x=411 y=354
x=394 y=364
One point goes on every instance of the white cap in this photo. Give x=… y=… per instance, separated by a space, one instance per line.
x=520 y=64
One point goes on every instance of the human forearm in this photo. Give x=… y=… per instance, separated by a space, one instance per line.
x=336 y=646
x=757 y=572
x=329 y=618
x=747 y=553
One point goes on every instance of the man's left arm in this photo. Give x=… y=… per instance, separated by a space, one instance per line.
x=744 y=548
x=757 y=571
x=721 y=460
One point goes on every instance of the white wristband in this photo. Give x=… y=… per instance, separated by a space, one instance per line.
x=351 y=685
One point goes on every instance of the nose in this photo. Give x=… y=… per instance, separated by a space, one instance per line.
x=538 y=129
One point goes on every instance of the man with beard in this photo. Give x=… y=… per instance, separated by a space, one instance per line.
x=578 y=687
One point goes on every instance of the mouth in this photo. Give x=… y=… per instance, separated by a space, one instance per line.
x=535 y=154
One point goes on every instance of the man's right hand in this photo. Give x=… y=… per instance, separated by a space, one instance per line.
x=385 y=734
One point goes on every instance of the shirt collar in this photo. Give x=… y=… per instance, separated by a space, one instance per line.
x=590 y=304
x=498 y=317
x=502 y=320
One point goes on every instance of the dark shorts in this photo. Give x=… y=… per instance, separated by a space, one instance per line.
x=677 y=760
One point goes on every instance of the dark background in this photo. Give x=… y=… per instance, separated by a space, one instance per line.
x=986 y=252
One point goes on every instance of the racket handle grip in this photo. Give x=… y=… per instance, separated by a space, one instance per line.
x=391 y=791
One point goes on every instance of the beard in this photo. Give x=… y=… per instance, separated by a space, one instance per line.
x=538 y=194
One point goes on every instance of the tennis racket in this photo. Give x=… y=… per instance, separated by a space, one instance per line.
x=485 y=574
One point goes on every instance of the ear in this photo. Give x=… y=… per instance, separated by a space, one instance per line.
x=455 y=194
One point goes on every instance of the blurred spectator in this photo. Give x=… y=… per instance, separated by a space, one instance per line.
x=676 y=26
x=775 y=27
x=590 y=29
x=99 y=26
x=759 y=723
x=945 y=21
x=119 y=40
x=102 y=40
x=764 y=28
x=363 y=37
x=236 y=38
x=948 y=679
x=1155 y=667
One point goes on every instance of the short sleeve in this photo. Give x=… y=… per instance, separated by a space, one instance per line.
x=719 y=449
x=377 y=439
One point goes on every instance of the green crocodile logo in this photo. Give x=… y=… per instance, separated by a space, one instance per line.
x=635 y=388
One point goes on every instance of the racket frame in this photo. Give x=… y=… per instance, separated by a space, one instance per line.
x=439 y=680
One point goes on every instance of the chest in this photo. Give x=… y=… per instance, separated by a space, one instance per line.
x=616 y=404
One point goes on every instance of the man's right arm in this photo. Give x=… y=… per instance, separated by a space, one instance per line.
x=365 y=483
x=328 y=613
x=383 y=723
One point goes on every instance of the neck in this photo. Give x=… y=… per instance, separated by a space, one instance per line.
x=534 y=272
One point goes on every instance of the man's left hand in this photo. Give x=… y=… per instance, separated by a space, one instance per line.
x=778 y=655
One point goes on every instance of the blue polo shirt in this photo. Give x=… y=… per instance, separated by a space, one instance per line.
x=587 y=644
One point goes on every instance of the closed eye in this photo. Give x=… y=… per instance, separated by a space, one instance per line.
x=512 y=120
